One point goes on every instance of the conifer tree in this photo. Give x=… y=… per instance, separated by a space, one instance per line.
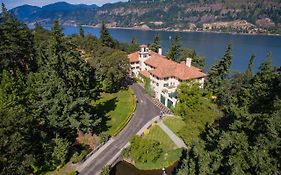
x=249 y=70
x=16 y=45
x=197 y=60
x=175 y=49
x=16 y=127
x=81 y=31
x=155 y=45
x=134 y=46
x=41 y=37
x=66 y=88
x=263 y=85
x=219 y=72
x=105 y=38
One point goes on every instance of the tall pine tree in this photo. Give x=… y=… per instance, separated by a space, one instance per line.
x=66 y=88
x=219 y=72
x=17 y=126
x=105 y=38
x=175 y=49
x=16 y=45
x=155 y=45
x=81 y=31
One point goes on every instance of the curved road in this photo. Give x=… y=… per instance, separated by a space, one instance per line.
x=145 y=111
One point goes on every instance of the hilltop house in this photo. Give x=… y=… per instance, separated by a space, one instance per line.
x=164 y=74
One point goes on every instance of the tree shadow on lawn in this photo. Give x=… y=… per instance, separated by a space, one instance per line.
x=102 y=109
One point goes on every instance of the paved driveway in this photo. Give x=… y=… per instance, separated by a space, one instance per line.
x=145 y=111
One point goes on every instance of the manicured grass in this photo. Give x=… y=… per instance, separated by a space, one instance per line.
x=156 y=133
x=115 y=109
x=166 y=159
x=170 y=154
x=174 y=123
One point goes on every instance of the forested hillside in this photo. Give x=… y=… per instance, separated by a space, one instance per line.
x=250 y=16
x=47 y=86
x=246 y=140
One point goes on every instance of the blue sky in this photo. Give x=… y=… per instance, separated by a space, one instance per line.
x=14 y=3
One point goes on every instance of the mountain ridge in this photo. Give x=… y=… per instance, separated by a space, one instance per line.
x=248 y=16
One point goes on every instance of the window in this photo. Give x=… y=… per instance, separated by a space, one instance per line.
x=166 y=84
x=157 y=84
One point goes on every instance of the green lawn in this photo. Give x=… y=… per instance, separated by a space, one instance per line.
x=115 y=108
x=166 y=159
x=174 y=123
x=170 y=152
x=156 y=133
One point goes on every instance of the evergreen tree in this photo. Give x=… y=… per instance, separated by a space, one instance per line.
x=175 y=49
x=81 y=31
x=66 y=89
x=60 y=151
x=249 y=70
x=219 y=72
x=16 y=45
x=263 y=86
x=247 y=139
x=134 y=46
x=105 y=38
x=155 y=45
x=197 y=61
x=16 y=127
x=41 y=37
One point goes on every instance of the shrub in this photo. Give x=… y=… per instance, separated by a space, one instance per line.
x=105 y=170
x=104 y=136
x=143 y=150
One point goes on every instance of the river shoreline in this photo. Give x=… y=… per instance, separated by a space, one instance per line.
x=183 y=31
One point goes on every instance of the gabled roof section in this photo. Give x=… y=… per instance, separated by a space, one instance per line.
x=165 y=68
x=145 y=73
x=143 y=46
x=133 y=57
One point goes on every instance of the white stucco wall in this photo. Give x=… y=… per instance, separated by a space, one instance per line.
x=156 y=83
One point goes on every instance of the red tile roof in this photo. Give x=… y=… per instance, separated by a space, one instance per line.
x=133 y=57
x=145 y=73
x=143 y=46
x=165 y=68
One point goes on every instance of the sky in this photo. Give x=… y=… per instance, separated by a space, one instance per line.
x=15 y=3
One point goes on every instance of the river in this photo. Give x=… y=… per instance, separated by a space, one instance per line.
x=209 y=45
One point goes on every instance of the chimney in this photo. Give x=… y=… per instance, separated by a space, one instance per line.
x=160 y=51
x=188 y=62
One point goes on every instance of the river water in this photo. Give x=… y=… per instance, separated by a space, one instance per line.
x=209 y=45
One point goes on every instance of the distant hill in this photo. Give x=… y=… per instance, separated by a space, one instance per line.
x=242 y=16
x=64 y=6
x=57 y=11
x=26 y=12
